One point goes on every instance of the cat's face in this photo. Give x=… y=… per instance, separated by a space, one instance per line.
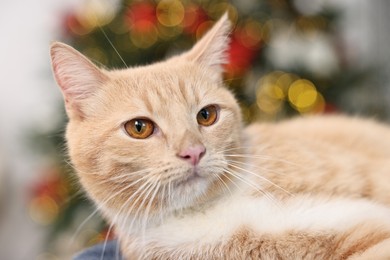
x=153 y=138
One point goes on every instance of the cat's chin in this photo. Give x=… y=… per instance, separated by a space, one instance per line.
x=187 y=190
x=193 y=176
x=192 y=186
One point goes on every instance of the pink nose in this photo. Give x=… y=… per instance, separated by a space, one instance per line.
x=193 y=154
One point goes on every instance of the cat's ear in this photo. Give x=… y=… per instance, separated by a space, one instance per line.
x=211 y=50
x=77 y=77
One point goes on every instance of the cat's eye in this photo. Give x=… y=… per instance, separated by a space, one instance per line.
x=139 y=128
x=207 y=115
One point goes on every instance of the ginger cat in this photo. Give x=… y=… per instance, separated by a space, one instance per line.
x=162 y=152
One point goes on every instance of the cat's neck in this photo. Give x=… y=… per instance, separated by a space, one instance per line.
x=136 y=226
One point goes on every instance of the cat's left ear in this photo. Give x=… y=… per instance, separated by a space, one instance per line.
x=211 y=50
x=77 y=77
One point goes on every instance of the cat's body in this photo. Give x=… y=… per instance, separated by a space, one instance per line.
x=312 y=204
x=162 y=152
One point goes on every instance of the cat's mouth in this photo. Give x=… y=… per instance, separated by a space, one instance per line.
x=191 y=177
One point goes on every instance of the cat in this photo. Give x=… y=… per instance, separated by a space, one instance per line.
x=162 y=151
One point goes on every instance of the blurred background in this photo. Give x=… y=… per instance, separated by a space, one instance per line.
x=287 y=58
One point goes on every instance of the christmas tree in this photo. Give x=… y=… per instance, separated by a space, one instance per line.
x=284 y=61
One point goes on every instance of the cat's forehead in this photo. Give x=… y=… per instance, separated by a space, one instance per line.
x=163 y=88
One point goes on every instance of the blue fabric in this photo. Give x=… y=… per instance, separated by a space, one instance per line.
x=111 y=252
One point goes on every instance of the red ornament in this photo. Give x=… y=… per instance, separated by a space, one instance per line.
x=107 y=234
x=51 y=185
x=194 y=16
x=72 y=25
x=141 y=16
x=330 y=109
x=241 y=54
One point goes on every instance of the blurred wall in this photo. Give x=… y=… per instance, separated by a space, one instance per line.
x=28 y=101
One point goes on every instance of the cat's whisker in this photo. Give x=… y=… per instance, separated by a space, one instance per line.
x=112 y=45
x=107 y=178
x=263 y=157
x=127 y=175
x=237 y=176
x=78 y=193
x=261 y=177
x=123 y=178
x=162 y=200
x=105 y=244
x=261 y=169
x=170 y=194
x=103 y=203
x=147 y=210
x=223 y=150
x=227 y=177
x=143 y=189
x=217 y=169
x=225 y=186
x=254 y=186
x=108 y=234
x=74 y=168
x=129 y=211
x=145 y=195
x=146 y=186
x=136 y=214
x=121 y=209
x=253 y=156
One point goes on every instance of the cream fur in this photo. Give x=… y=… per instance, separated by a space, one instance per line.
x=308 y=188
x=297 y=213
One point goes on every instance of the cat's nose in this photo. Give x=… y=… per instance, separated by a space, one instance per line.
x=192 y=154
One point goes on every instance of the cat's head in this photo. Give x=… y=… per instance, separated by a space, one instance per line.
x=151 y=138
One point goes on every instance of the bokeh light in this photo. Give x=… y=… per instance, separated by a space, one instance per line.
x=203 y=28
x=269 y=94
x=218 y=9
x=144 y=35
x=304 y=97
x=43 y=209
x=278 y=87
x=93 y=14
x=251 y=34
x=271 y=27
x=170 y=12
x=96 y=54
x=194 y=16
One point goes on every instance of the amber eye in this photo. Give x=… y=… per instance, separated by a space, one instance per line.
x=139 y=128
x=207 y=115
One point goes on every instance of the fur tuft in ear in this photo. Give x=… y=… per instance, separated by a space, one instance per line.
x=210 y=50
x=77 y=77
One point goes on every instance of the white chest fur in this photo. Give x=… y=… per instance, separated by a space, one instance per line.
x=264 y=216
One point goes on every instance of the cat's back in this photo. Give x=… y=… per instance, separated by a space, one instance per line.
x=336 y=155
x=364 y=136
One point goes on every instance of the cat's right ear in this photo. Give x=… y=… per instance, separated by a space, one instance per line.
x=211 y=50
x=77 y=77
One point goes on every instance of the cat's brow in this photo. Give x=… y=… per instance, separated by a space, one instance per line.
x=182 y=88
x=147 y=102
